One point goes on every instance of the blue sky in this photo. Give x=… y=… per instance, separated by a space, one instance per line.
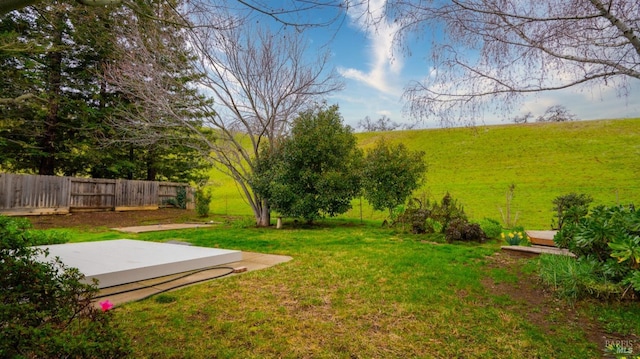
x=375 y=75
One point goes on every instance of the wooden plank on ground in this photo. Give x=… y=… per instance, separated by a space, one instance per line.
x=136 y=208
x=536 y=250
x=542 y=238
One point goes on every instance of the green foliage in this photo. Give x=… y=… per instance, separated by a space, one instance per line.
x=243 y=222
x=491 y=227
x=181 y=197
x=610 y=236
x=626 y=248
x=314 y=173
x=397 y=212
x=446 y=217
x=203 y=201
x=180 y=200
x=390 y=174
x=601 y=162
x=65 y=122
x=434 y=226
x=514 y=238
x=447 y=211
x=46 y=309
x=415 y=216
x=573 y=278
x=633 y=280
x=570 y=208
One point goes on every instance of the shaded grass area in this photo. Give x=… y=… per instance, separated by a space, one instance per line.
x=477 y=165
x=350 y=291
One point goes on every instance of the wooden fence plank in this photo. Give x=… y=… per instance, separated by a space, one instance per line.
x=31 y=194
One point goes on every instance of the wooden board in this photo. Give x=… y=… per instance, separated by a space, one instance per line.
x=542 y=238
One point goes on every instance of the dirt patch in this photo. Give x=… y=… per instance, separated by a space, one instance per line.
x=538 y=304
x=111 y=219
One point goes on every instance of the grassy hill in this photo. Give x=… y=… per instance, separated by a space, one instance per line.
x=477 y=165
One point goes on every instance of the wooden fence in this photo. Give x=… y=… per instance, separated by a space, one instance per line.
x=30 y=194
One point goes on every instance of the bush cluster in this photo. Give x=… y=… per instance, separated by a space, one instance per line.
x=606 y=240
x=45 y=309
x=446 y=217
x=461 y=230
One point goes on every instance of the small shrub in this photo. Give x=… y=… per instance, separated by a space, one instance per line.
x=433 y=226
x=203 y=202
x=491 y=227
x=447 y=210
x=181 y=197
x=570 y=208
x=572 y=278
x=415 y=216
x=610 y=236
x=45 y=309
x=461 y=230
x=180 y=200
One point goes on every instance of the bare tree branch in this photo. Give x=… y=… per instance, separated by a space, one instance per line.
x=257 y=80
x=487 y=54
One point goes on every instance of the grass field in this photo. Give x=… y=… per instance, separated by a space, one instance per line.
x=360 y=291
x=477 y=165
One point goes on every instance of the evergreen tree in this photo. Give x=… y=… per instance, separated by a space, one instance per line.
x=315 y=172
x=59 y=107
x=390 y=174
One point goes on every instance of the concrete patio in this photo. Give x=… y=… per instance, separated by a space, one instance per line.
x=129 y=270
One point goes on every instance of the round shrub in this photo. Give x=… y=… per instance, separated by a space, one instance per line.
x=491 y=227
x=461 y=230
x=45 y=309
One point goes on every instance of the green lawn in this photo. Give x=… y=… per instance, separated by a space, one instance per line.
x=351 y=291
x=358 y=290
x=477 y=165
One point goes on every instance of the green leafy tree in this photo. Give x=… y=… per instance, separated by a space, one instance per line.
x=315 y=170
x=45 y=309
x=390 y=174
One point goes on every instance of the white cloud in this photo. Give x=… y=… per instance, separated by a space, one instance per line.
x=587 y=102
x=384 y=68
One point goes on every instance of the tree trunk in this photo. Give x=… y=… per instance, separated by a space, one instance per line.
x=132 y=160
x=49 y=138
x=152 y=170
x=264 y=218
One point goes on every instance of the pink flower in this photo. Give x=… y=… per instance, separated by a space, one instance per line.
x=106 y=305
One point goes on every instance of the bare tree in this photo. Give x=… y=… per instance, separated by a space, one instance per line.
x=524 y=118
x=257 y=82
x=556 y=113
x=384 y=123
x=495 y=51
x=260 y=81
